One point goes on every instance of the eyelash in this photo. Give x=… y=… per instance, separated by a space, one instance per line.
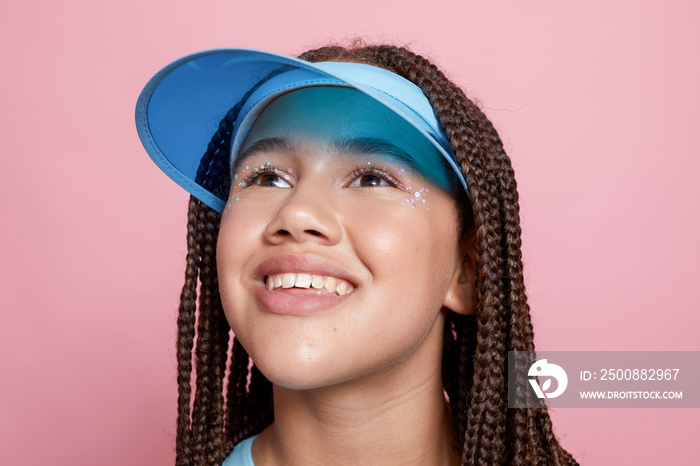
x=372 y=170
x=363 y=170
x=267 y=170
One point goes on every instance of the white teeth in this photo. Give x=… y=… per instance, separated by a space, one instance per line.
x=330 y=285
x=317 y=282
x=288 y=280
x=305 y=280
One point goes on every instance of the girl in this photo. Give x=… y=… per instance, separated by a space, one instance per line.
x=354 y=221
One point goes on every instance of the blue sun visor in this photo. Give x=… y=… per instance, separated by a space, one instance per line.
x=180 y=108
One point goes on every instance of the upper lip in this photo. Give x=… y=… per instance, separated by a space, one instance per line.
x=302 y=263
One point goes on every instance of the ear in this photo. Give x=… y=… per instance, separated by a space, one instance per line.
x=459 y=297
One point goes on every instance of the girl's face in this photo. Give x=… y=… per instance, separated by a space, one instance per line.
x=336 y=254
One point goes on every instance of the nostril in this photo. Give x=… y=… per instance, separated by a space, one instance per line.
x=314 y=232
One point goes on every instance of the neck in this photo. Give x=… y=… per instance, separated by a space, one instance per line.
x=388 y=418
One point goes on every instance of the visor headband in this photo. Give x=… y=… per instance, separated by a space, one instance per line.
x=180 y=108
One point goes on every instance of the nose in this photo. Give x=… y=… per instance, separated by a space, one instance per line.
x=306 y=215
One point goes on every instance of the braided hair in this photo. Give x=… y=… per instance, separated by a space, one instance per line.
x=233 y=400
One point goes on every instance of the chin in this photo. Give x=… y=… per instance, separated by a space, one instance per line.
x=298 y=369
x=298 y=378
x=312 y=374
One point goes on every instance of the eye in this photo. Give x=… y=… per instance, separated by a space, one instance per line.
x=370 y=177
x=370 y=181
x=267 y=177
x=272 y=180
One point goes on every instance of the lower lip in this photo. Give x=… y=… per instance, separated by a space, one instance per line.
x=281 y=301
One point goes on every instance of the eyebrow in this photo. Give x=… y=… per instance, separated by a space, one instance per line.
x=376 y=146
x=262 y=146
x=349 y=146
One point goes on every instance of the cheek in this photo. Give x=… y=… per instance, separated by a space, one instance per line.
x=413 y=245
x=241 y=223
x=238 y=234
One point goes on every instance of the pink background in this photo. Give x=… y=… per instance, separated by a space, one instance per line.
x=597 y=102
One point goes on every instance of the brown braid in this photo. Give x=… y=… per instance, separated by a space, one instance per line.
x=475 y=347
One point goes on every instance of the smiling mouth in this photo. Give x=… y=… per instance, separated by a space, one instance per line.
x=332 y=285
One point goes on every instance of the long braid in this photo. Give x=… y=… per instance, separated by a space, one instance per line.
x=212 y=342
x=485 y=440
x=520 y=332
x=185 y=340
x=203 y=393
x=236 y=396
x=475 y=347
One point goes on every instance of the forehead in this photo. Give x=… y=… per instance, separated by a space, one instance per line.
x=335 y=115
